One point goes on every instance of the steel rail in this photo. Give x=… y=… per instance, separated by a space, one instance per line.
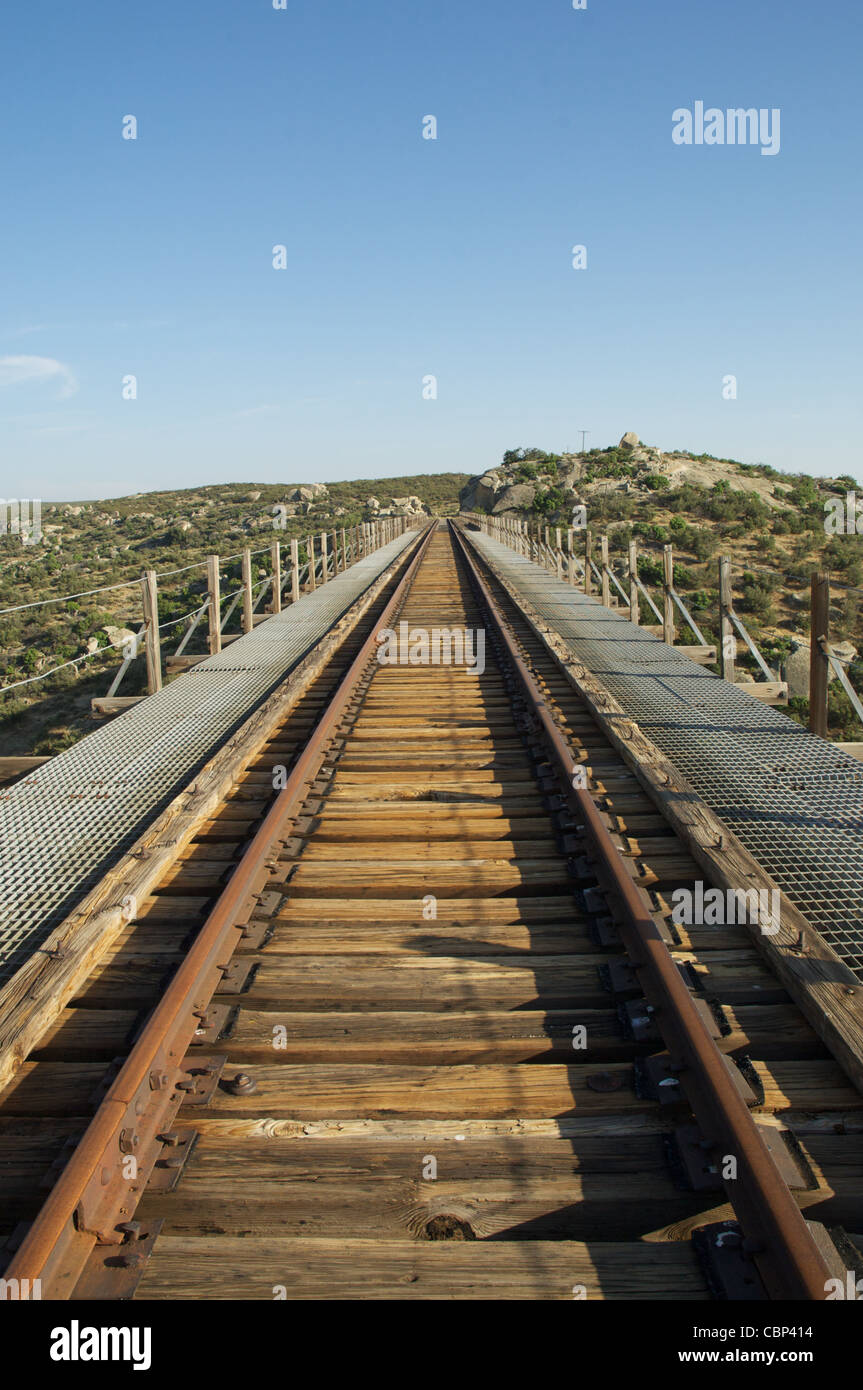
x=92 y=1202
x=782 y=1246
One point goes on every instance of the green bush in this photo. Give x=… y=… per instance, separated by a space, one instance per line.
x=684 y=578
x=651 y=532
x=650 y=571
x=757 y=596
x=702 y=543
x=548 y=500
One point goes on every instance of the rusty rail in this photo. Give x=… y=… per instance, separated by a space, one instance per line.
x=92 y=1204
x=777 y=1236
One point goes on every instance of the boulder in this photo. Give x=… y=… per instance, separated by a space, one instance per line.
x=413 y=505
x=797 y=671
x=116 y=635
x=797 y=666
x=480 y=492
x=307 y=492
x=514 y=498
x=845 y=651
x=629 y=441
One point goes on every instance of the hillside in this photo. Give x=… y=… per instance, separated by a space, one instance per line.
x=771 y=524
x=96 y=545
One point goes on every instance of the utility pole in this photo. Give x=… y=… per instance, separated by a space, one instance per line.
x=583 y=433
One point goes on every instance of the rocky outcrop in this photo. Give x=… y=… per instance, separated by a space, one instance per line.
x=514 y=498
x=501 y=490
x=479 y=494
x=411 y=506
x=797 y=666
x=117 y=635
x=629 y=441
x=308 y=492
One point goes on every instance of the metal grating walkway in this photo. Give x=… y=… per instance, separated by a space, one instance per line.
x=794 y=800
x=65 y=823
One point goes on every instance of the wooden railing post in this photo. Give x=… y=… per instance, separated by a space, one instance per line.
x=248 y=618
x=276 y=555
x=310 y=550
x=295 y=571
x=344 y=549
x=668 y=605
x=325 y=559
x=633 y=587
x=214 y=610
x=728 y=642
x=153 y=646
x=819 y=665
x=606 y=582
x=587 y=550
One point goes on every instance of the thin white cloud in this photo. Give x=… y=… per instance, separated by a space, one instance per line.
x=92 y=327
x=14 y=370
x=61 y=429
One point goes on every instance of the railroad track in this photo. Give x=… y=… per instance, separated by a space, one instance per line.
x=409 y=1018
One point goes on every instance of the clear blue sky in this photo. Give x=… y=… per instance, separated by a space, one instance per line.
x=409 y=257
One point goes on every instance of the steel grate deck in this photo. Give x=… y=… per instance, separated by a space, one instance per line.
x=794 y=800
x=65 y=823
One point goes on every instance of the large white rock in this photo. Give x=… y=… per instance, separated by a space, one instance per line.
x=797 y=666
x=515 y=498
x=118 y=634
